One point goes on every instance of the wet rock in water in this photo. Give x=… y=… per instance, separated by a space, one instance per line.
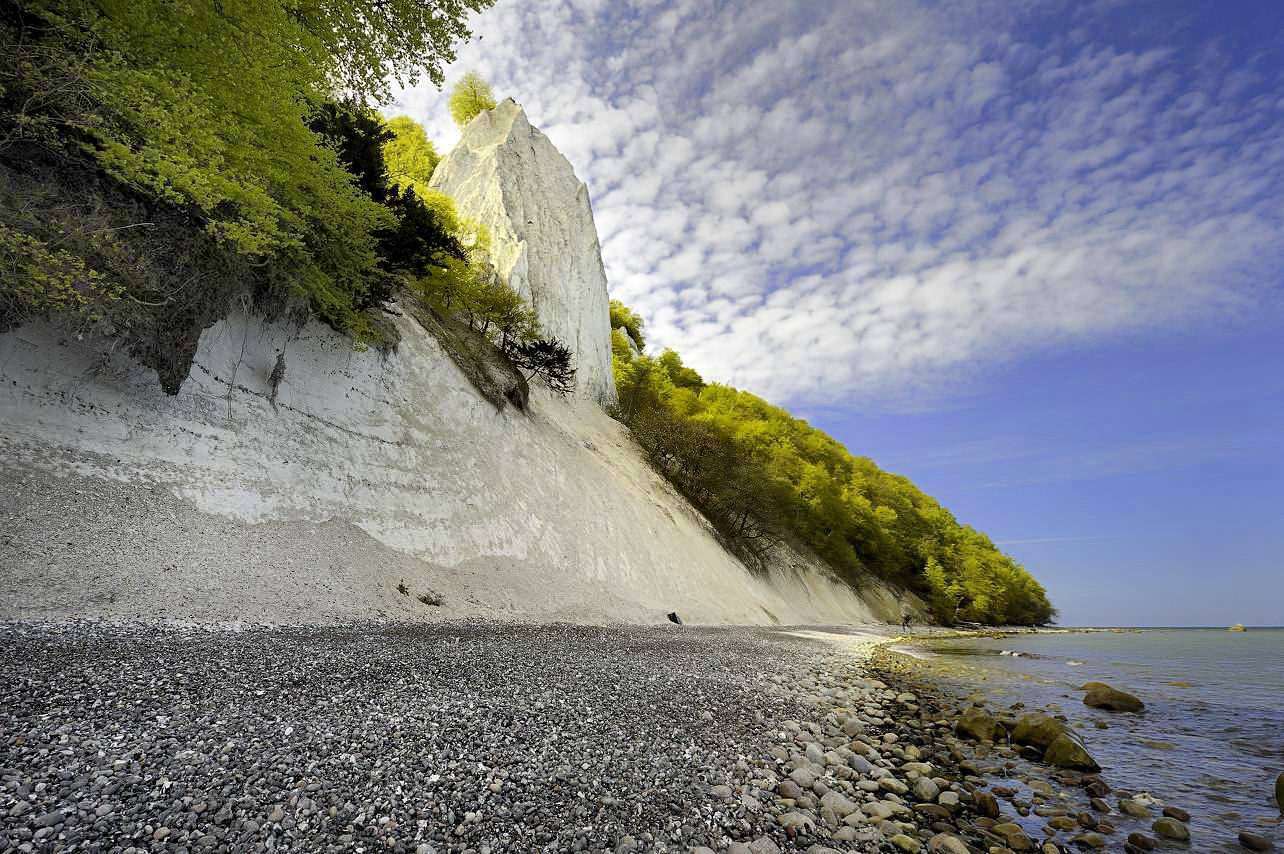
x=1171 y=828
x=1279 y=792
x=1113 y=700
x=1142 y=842
x=1136 y=809
x=1177 y=813
x=1254 y=841
x=1037 y=730
x=977 y=725
x=1092 y=686
x=1090 y=840
x=1066 y=751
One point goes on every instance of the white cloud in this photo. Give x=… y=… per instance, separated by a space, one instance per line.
x=871 y=201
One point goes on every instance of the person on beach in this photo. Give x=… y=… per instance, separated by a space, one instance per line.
x=905 y=619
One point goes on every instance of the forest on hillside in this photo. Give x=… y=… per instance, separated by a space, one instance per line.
x=762 y=476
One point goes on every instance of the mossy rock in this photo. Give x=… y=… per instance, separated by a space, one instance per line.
x=1066 y=751
x=1113 y=700
x=1037 y=730
x=979 y=726
x=1171 y=828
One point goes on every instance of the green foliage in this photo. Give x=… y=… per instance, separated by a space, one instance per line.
x=410 y=156
x=195 y=114
x=40 y=279
x=623 y=317
x=548 y=359
x=762 y=476
x=470 y=97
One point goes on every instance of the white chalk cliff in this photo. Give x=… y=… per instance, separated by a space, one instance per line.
x=510 y=177
x=366 y=485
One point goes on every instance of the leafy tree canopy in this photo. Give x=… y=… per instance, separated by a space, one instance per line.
x=623 y=317
x=410 y=156
x=201 y=112
x=470 y=98
x=762 y=476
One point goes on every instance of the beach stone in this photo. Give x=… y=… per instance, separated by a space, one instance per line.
x=1142 y=842
x=944 y=843
x=1062 y=822
x=764 y=845
x=796 y=821
x=1279 y=792
x=721 y=792
x=978 y=726
x=1020 y=842
x=986 y=805
x=1099 y=804
x=1037 y=730
x=804 y=778
x=1066 y=751
x=949 y=800
x=841 y=806
x=908 y=844
x=1254 y=842
x=1092 y=686
x=1171 y=828
x=1177 y=813
x=925 y=789
x=1090 y=840
x=789 y=789
x=1113 y=700
x=891 y=784
x=1136 y=809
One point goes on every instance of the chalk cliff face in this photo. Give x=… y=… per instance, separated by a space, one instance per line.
x=367 y=476
x=368 y=485
x=509 y=176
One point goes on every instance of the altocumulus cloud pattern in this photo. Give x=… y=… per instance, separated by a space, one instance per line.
x=875 y=200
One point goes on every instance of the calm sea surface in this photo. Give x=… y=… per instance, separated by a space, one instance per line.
x=1210 y=741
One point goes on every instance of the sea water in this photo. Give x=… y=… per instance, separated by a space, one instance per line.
x=1210 y=741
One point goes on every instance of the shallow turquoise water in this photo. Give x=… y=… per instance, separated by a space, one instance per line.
x=1224 y=720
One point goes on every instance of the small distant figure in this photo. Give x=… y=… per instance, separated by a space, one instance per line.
x=906 y=614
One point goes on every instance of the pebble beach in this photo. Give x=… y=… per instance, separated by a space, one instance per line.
x=489 y=737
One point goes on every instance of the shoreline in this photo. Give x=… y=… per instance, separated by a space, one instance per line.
x=1128 y=818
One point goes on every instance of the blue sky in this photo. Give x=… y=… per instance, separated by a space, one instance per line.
x=1027 y=252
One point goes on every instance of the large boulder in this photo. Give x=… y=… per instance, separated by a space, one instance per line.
x=1279 y=792
x=1113 y=700
x=508 y=176
x=1037 y=730
x=979 y=726
x=1066 y=751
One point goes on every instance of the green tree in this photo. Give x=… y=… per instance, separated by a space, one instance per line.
x=623 y=317
x=410 y=155
x=470 y=97
x=158 y=119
